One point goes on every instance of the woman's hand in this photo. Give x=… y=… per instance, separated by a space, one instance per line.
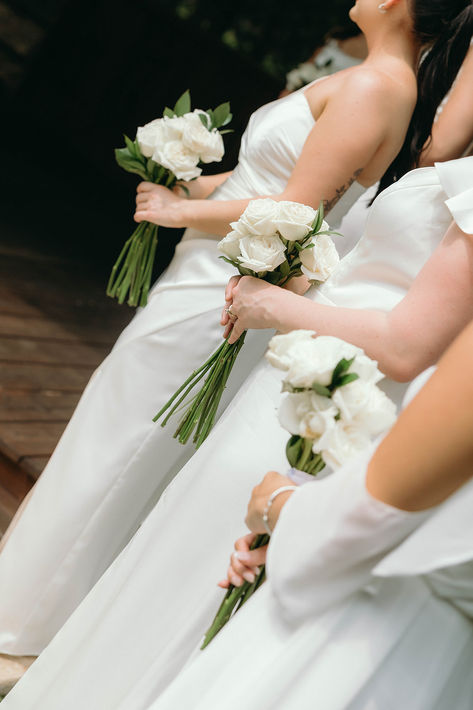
x=254 y=304
x=259 y=500
x=244 y=562
x=159 y=205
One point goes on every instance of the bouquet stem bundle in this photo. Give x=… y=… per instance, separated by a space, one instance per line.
x=203 y=407
x=135 y=262
x=236 y=597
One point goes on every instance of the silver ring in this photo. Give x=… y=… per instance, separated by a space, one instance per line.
x=231 y=313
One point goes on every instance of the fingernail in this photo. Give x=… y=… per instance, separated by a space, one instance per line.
x=242 y=556
x=249 y=576
x=256 y=570
x=235 y=581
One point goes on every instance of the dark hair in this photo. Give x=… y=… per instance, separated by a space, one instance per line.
x=445 y=28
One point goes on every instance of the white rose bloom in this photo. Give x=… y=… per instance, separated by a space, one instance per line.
x=280 y=347
x=240 y=229
x=319 y=262
x=365 y=406
x=149 y=136
x=260 y=217
x=294 y=220
x=310 y=360
x=340 y=443
x=174 y=156
x=207 y=144
x=230 y=245
x=262 y=254
x=314 y=360
x=307 y=414
x=157 y=133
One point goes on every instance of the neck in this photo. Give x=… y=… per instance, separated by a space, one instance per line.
x=393 y=42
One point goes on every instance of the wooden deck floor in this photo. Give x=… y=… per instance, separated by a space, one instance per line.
x=56 y=325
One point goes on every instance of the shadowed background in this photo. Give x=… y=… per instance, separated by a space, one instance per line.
x=74 y=76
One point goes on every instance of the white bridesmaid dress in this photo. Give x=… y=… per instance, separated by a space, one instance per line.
x=366 y=607
x=141 y=622
x=113 y=462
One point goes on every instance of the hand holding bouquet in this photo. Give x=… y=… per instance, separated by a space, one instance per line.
x=165 y=150
x=274 y=241
x=332 y=410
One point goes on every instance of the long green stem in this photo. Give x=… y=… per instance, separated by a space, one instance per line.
x=235 y=597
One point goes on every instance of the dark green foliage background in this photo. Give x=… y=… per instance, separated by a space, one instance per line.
x=106 y=66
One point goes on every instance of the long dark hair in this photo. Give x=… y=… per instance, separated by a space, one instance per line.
x=445 y=29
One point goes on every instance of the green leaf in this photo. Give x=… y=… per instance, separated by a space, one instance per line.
x=183 y=104
x=210 y=114
x=129 y=164
x=293 y=449
x=284 y=269
x=220 y=115
x=342 y=367
x=130 y=145
x=318 y=221
x=230 y=261
x=321 y=389
x=168 y=112
x=346 y=379
x=205 y=120
x=228 y=119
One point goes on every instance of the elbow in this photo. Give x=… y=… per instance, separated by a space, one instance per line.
x=404 y=366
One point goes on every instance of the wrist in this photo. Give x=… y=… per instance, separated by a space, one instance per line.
x=182 y=211
x=283 y=308
x=276 y=501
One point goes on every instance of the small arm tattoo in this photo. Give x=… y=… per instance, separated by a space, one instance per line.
x=340 y=191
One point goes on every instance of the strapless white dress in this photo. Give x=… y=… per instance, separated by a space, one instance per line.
x=365 y=608
x=113 y=462
x=140 y=623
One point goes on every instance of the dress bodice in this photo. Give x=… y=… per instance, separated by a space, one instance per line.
x=270 y=148
x=404 y=226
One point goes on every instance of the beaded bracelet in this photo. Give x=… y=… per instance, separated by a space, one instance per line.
x=271 y=498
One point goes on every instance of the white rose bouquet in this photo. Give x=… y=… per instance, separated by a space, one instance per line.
x=274 y=241
x=165 y=150
x=332 y=410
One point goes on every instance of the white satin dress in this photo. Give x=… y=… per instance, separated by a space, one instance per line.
x=113 y=462
x=366 y=607
x=141 y=622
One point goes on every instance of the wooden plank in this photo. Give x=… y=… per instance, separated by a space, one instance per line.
x=14 y=479
x=34 y=465
x=96 y=332
x=8 y=507
x=26 y=405
x=19 y=440
x=42 y=377
x=18 y=349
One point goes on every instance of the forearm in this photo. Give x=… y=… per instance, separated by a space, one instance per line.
x=376 y=332
x=201 y=188
x=212 y=216
x=429 y=452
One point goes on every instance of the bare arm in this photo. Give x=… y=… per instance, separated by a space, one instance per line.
x=453 y=131
x=405 y=340
x=429 y=452
x=341 y=153
x=202 y=187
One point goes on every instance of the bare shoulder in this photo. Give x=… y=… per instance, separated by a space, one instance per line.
x=381 y=85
